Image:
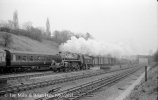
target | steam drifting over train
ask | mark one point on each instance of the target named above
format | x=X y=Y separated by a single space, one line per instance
x=94 y=48
x=77 y=54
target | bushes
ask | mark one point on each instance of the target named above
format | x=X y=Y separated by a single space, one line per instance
x=33 y=33
x=38 y=34
x=5 y=29
x=6 y=40
x=156 y=56
x=62 y=36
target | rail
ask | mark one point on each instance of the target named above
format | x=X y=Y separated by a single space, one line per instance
x=24 y=87
x=81 y=90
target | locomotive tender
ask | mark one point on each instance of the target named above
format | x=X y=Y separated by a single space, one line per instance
x=15 y=61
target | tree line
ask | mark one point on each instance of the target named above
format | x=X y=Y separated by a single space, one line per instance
x=38 y=33
x=156 y=56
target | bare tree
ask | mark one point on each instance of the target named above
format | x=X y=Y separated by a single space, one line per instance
x=48 y=27
x=156 y=56
x=10 y=24
x=7 y=39
x=15 y=20
x=27 y=25
x=62 y=36
x=7 y=24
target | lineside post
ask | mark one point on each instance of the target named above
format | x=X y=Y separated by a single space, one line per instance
x=145 y=73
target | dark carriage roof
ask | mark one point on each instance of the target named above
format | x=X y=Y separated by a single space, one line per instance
x=31 y=53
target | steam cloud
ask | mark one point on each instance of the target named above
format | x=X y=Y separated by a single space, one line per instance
x=94 y=47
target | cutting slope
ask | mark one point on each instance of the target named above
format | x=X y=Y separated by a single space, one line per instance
x=22 y=43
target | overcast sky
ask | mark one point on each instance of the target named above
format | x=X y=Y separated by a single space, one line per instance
x=131 y=22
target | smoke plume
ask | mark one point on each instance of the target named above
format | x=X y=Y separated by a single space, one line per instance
x=94 y=47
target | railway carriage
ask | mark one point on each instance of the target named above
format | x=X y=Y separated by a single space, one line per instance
x=21 y=61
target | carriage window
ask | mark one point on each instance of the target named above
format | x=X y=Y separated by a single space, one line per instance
x=44 y=58
x=18 y=58
x=48 y=58
x=24 y=58
x=35 y=58
x=38 y=58
x=13 y=57
x=31 y=58
x=1 y=54
x=41 y=58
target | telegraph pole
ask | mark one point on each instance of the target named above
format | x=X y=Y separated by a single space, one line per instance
x=146 y=73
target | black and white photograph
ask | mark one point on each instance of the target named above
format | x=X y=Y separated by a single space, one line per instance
x=78 y=50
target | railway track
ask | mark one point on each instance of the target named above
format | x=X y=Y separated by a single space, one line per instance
x=82 y=90
x=25 y=76
x=14 y=77
x=24 y=87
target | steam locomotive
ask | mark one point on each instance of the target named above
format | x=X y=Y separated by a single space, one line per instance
x=15 y=61
x=71 y=61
